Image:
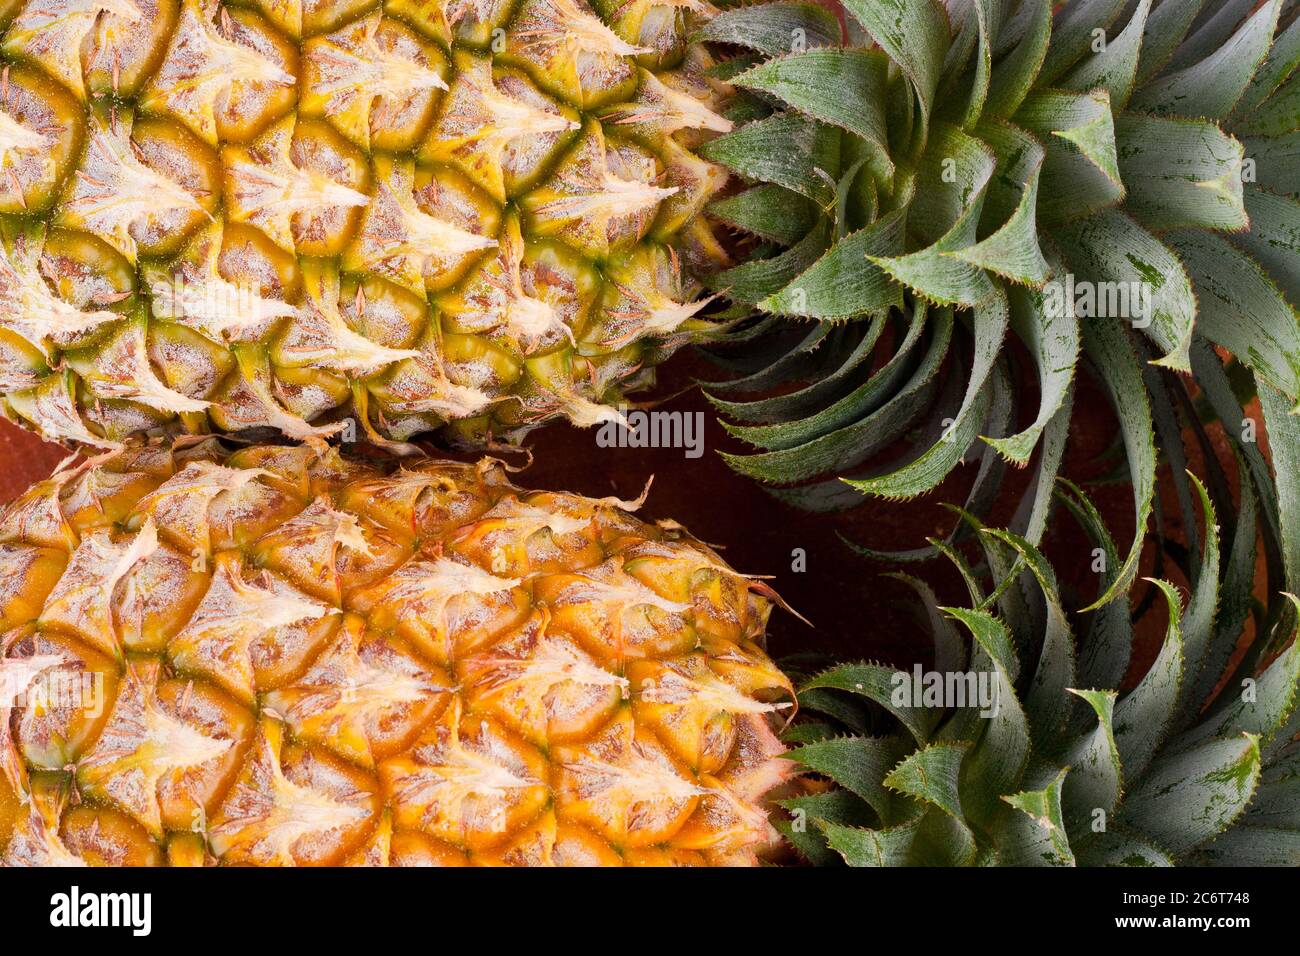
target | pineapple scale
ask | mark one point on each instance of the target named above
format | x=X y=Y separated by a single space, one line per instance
x=283 y=656
x=266 y=216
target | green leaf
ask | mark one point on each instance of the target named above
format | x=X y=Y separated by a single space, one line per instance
x=1117 y=848
x=772 y=28
x=1218 y=392
x=1234 y=599
x=1260 y=708
x=854 y=443
x=769 y=212
x=949 y=648
x=833 y=806
x=914 y=33
x=830 y=384
x=945 y=215
x=1166 y=28
x=878 y=683
x=759 y=278
x=1169 y=436
x=995 y=765
x=842 y=283
x=942 y=840
x=1030 y=519
x=809 y=842
x=858 y=764
x=1211 y=87
x=1198 y=622
x=1188 y=797
x=853 y=714
x=1095 y=779
x=1081 y=173
x=1241 y=309
x=842 y=87
x=846 y=410
x=932 y=774
x=743 y=107
x=1072 y=34
x=1274 y=169
x=1012 y=250
x=1284 y=444
x=1143 y=716
x=1180 y=172
x=803 y=357
x=1274 y=238
x=974 y=34
x=1104 y=657
x=1041 y=839
x=1277 y=801
x=1276 y=116
x=1283 y=58
x=1013 y=75
x=1209 y=31
x=861 y=847
x=932 y=465
x=1133 y=276
x=1005 y=569
x=1047 y=702
x=806 y=163
x=1253 y=846
x=1053 y=342
x=1112 y=355
x=808 y=733
x=1114 y=68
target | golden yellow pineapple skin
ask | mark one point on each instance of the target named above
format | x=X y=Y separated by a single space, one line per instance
x=355 y=216
x=282 y=656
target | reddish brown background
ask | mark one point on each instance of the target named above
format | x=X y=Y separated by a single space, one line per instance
x=855 y=611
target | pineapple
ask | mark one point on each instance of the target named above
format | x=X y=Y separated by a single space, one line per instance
x=979 y=193
x=276 y=217
x=282 y=656
x=977 y=198
x=1064 y=761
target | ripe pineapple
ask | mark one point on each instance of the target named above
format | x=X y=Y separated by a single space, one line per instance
x=275 y=215
x=1195 y=764
x=953 y=170
x=281 y=656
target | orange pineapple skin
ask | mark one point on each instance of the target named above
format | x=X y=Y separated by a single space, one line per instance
x=287 y=218
x=283 y=656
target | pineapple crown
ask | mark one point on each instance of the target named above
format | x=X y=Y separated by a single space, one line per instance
x=1111 y=181
x=1020 y=749
x=967 y=191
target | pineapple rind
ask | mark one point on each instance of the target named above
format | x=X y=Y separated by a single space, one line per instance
x=281 y=656
x=452 y=168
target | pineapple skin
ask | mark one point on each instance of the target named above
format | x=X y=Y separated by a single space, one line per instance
x=279 y=656
x=387 y=218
